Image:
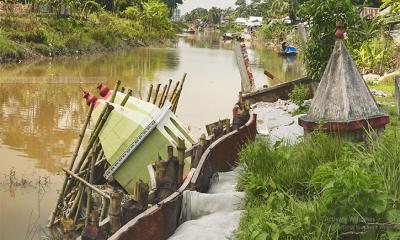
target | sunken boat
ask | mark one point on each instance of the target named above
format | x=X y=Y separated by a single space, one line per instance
x=133 y=136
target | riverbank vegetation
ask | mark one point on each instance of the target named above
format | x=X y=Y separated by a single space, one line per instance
x=369 y=39
x=323 y=187
x=82 y=29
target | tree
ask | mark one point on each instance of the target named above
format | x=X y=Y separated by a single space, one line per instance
x=197 y=13
x=214 y=15
x=323 y=16
x=394 y=4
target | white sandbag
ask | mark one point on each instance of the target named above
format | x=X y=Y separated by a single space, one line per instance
x=201 y=204
x=224 y=182
x=217 y=226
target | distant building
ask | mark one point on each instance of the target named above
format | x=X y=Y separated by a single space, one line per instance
x=254 y=21
x=241 y=21
x=249 y=22
x=369 y=12
x=176 y=15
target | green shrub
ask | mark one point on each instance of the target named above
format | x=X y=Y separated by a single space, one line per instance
x=299 y=94
x=38 y=35
x=278 y=31
x=10 y=50
x=374 y=54
x=350 y=191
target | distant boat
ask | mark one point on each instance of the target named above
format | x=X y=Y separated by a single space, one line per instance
x=288 y=50
x=190 y=31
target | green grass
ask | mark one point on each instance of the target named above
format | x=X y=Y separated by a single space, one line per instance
x=49 y=35
x=323 y=187
x=10 y=50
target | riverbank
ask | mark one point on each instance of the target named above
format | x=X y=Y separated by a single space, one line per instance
x=28 y=36
x=294 y=189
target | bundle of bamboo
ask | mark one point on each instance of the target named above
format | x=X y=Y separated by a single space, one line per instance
x=81 y=196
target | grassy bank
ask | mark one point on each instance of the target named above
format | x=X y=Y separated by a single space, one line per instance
x=32 y=35
x=324 y=188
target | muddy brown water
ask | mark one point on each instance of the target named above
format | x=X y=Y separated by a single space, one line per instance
x=42 y=110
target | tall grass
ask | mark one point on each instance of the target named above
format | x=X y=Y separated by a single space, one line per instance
x=321 y=188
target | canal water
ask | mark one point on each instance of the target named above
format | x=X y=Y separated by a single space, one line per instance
x=42 y=110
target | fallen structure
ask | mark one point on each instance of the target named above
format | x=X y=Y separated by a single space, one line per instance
x=343 y=103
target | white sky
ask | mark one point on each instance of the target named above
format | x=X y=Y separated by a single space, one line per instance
x=189 y=5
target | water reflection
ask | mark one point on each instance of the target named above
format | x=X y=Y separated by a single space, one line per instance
x=41 y=120
x=41 y=108
x=212 y=40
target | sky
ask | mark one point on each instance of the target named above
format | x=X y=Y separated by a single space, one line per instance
x=189 y=5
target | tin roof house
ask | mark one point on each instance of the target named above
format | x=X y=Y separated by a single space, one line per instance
x=343 y=103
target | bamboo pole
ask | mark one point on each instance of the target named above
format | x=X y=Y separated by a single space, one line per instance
x=156 y=96
x=178 y=95
x=71 y=165
x=96 y=133
x=75 y=204
x=79 y=206
x=166 y=94
x=104 y=209
x=174 y=91
x=89 y=191
x=114 y=94
x=126 y=98
x=162 y=96
x=83 y=181
x=150 y=92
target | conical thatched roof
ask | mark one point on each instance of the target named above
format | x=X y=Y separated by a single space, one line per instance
x=342 y=95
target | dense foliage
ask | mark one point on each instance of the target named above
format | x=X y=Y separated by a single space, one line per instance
x=322 y=188
x=323 y=15
x=23 y=36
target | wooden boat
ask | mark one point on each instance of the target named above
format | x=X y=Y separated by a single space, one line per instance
x=288 y=50
x=133 y=136
x=161 y=220
x=189 y=31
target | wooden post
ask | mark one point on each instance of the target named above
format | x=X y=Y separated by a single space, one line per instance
x=71 y=164
x=162 y=96
x=115 y=211
x=199 y=150
x=167 y=175
x=142 y=194
x=156 y=95
x=150 y=92
x=181 y=159
x=397 y=88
